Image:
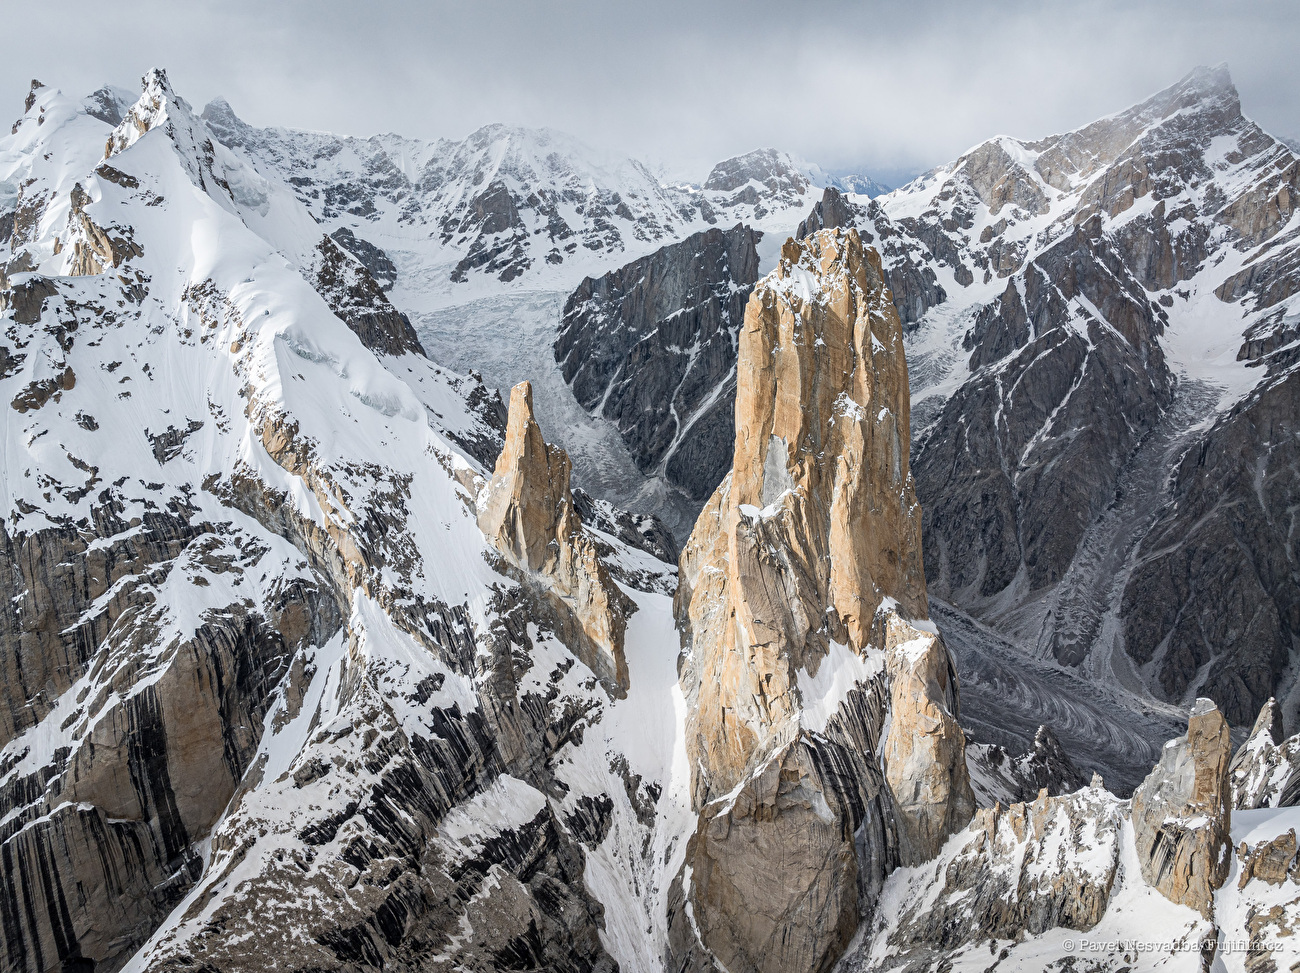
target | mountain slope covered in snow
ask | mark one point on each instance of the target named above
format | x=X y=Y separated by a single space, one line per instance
x=1115 y=352
x=1102 y=363
x=313 y=658
x=255 y=645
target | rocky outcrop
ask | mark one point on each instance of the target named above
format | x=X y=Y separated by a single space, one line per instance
x=160 y=108
x=498 y=234
x=356 y=297
x=1027 y=885
x=796 y=590
x=910 y=278
x=924 y=750
x=528 y=514
x=763 y=179
x=1265 y=770
x=645 y=532
x=1017 y=871
x=998 y=777
x=1272 y=861
x=652 y=348
x=93 y=248
x=1182 y=814
x=376 y=262
x=1265 y=900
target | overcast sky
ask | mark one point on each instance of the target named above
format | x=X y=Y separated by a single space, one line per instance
x=886 y=87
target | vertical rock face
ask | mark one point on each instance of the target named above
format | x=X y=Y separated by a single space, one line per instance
x=1182 y=813
x=652 y=347
x=528 y=514
x=794 y=592
x=1215 y=583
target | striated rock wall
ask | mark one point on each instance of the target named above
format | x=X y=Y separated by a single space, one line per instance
x=652 y=348
x=795 y=590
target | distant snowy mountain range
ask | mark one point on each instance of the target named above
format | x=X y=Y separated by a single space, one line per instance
x=531 y=208
x=313 y=658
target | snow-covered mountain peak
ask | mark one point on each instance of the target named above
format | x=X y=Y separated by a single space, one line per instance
x=109 y=104
x=530 y=208
x=30 y=100
x=274 y=631
x=222 y=120
x=158 y=105
x=770 y=168
x=159 y=108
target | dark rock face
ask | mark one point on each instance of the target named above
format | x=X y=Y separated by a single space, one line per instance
x=652 y=347
x=998 y=776
x=1214 y=585
x=99 y=843
x=372 y=257
x=356 y=297
x=642 y=531
x=1026 y=454
x=910 y=279
x=1072 y=475
x=759 y=179
x=499 y=237
x=108 y=104
x=1265 y=770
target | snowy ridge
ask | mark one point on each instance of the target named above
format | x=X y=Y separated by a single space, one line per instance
x=531 y=209
x=265 y=691
x=1147 y=261
x=259 y=502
